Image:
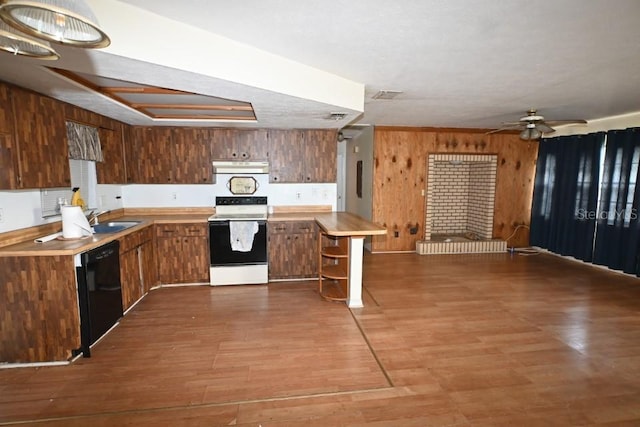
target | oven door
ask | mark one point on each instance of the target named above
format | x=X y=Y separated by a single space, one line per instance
x=220 y=245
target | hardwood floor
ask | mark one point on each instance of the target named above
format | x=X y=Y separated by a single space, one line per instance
x=465 y=340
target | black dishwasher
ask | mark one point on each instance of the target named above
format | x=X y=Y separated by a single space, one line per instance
x=99 y=293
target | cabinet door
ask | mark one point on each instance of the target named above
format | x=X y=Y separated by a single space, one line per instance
x=8 y=150
x=130 y=277
x=41 y=140
x=279 y=256
x=320 y=155
x=191 y=156
x=304 y=241
x=237 y=144
x=148 y=266
x=292 y=250
x=251 y=145
x=151 y=158
x=6 y=110
x=169 y=259
x=8 y=162
x=286 y=156
x=195 y=259
x=112 y=169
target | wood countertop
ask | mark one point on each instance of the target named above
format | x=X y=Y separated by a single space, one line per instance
x=347 y=224
x=73 y=247
x=334 y=223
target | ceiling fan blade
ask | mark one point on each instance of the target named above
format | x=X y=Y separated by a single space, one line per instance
x=544 y=128
x=565 y=122
x=506 y=126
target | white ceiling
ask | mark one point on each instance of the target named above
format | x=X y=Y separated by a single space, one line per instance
x=459 y=63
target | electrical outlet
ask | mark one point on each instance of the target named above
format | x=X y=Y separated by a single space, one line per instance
x=1 y=215
x=174 y=196
x=298 y=195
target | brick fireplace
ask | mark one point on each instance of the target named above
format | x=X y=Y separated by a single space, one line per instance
x=459 y=204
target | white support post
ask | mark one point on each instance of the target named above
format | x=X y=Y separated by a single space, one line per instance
x=354 y=299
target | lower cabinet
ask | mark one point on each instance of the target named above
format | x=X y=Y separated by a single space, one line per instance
x=182 y=253
x=292 y=250
x=137 y=266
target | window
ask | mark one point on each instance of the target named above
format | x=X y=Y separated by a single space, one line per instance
x=83 y=175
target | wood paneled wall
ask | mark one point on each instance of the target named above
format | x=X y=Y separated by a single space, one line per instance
x=39 y=318
x=400 y=162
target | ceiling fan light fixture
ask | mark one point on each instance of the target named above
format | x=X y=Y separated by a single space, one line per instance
x=17 y=44
x=68 y=22
x=530 y=134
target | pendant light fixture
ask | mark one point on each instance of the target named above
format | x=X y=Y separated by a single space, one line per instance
x=15 y=43
x=68 y=22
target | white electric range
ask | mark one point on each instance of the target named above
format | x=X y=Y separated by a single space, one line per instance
x=238 y=241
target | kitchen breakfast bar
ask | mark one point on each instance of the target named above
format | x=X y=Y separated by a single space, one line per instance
x=39 y=286
x=355 y=229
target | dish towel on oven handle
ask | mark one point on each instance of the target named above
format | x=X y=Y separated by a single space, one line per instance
x=241 y=235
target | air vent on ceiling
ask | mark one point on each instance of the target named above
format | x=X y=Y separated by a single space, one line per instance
x=336 y=116
x=387 y=94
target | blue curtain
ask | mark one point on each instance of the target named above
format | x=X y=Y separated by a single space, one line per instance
x=618 y=228
x=565 y=195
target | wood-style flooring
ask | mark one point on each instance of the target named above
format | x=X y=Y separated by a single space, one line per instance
x=446 y=340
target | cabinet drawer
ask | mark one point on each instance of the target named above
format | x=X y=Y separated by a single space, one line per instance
x=278 y=227
x=195 y=230
x=169 y=230
x=146 y=234
x=292 y=227
x=303 y=227
x=130 y=241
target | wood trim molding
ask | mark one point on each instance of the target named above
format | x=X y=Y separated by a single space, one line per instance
x=435 y=129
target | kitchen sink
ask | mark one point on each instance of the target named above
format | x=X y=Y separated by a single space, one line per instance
x=113 y=226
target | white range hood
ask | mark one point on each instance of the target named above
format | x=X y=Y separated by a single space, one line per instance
x=240 y=167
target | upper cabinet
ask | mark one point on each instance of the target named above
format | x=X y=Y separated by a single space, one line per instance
x=41 y=141
x=149 y=157
x=6 y=110
x=164 y=155
x=8 y=149
x=307 y=156
x=191 y=156
x=320 y=154
x=286 y=156
x=112 y=169
x=238 y=144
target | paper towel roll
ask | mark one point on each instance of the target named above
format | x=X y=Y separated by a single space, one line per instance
x=74 y=223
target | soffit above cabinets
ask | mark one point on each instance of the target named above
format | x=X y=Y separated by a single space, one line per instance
x=160 y=103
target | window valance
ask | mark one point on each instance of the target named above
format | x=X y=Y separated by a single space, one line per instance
x=84 y=142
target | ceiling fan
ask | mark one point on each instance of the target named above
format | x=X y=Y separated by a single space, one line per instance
x=532 y=125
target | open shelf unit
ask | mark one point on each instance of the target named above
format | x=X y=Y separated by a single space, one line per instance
x=333 y=267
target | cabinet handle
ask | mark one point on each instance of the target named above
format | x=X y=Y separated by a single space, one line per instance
x=275 y=178
x=244 y=155
x=234 y=155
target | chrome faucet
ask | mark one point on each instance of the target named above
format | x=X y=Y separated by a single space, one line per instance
x=93 y=217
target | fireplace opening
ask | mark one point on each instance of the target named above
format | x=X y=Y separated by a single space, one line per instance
x=460 y=203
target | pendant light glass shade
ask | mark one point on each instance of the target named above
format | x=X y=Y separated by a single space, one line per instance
x=69 y=22
x=17 y=44
x=530 y=133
